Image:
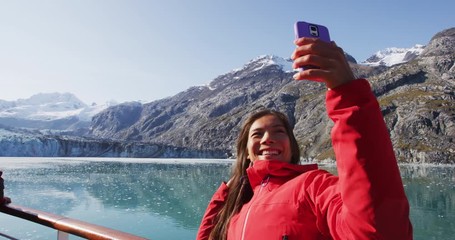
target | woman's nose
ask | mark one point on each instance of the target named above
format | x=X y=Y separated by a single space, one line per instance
x=267 y=138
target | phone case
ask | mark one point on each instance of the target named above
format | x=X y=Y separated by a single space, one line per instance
x=305 y=29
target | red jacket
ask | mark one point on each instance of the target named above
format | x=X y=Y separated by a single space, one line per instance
x=365 y=201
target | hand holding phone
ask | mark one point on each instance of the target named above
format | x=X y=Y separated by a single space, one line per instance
x=305 y=29
x=322 y=53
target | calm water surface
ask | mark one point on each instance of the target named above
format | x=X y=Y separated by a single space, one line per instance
x=166 y=198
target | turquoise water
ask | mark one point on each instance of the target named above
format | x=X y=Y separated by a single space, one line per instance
x=165 y=199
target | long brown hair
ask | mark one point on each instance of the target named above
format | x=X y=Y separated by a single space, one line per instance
x=240 y=191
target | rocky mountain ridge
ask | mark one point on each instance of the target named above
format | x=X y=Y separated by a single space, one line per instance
x=64 y=111
x=416 y=99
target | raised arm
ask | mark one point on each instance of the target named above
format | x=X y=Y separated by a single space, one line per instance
x=374 y=205
x=367 y=200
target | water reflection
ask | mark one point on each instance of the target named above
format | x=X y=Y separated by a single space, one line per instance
x=177 y=191
x=180 y=192
x=431 y=194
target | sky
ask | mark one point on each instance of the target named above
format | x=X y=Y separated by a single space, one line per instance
x=144 y=50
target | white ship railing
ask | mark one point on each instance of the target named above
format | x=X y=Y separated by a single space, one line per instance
x=65 y=225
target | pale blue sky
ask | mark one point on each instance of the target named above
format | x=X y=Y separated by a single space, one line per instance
x=128 y=50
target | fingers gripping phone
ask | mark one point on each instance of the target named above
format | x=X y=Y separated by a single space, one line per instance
x=305 y=29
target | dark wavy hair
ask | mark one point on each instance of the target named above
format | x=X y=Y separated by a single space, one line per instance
x=240 y=191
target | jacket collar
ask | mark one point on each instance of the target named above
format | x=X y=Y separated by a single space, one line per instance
x=273 y=168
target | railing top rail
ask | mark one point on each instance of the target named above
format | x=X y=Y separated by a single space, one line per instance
x=65 y=224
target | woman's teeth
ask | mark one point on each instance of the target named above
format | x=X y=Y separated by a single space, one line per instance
x=270 y=153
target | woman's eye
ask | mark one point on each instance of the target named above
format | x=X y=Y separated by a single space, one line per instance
x=256 y=134
x=281 y=131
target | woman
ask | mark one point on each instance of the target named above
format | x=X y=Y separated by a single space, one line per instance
x=270 y=196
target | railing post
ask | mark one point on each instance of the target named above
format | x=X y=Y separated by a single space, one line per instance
x=3 y=200
x=62 y=235
x=2 y=186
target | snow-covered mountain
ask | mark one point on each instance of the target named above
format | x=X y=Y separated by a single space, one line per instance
x=203 y=121
x=392 y=56
x=266 y=60
x=64 y=111
x=48 y=109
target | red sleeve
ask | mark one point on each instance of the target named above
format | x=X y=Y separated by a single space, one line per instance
x=215 y=205
x=367 y=200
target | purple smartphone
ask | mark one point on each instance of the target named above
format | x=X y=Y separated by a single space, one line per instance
x=305 y=29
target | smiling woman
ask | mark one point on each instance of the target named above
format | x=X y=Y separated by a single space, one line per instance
x=271 y=196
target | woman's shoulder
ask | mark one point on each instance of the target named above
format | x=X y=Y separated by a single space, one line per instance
x=317 y=176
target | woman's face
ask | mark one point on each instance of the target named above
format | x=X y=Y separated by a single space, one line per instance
x=268 y=140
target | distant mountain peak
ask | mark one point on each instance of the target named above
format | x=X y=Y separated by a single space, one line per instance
x=48 y=107
x=263 y=61
x=393 y=55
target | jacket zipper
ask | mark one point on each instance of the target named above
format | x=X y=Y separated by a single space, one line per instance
x=264 y=183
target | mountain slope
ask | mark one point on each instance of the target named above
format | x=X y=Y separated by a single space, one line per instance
x=416 y=98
